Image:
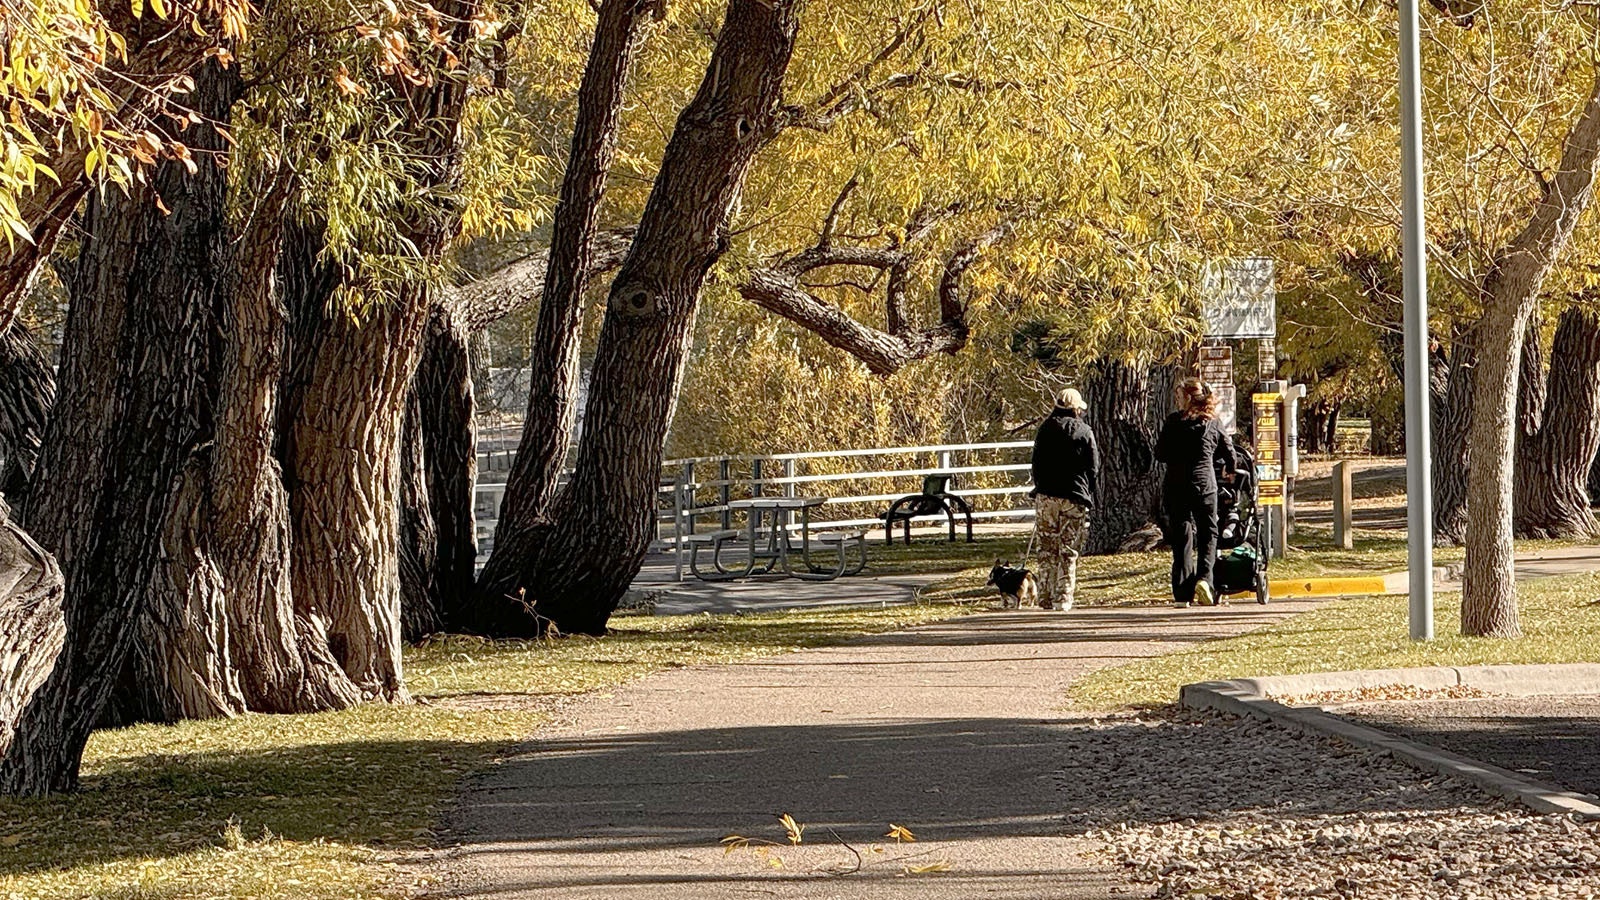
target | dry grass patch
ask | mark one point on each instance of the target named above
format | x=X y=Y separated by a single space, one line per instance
x=322 y=807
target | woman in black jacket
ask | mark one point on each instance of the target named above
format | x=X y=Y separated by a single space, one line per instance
x=1192 y=444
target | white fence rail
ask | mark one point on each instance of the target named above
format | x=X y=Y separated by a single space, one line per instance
x=695 y=492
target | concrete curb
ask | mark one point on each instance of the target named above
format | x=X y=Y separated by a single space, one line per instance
x=1246 y=697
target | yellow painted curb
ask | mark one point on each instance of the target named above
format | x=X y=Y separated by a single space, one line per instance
x=1329 y=587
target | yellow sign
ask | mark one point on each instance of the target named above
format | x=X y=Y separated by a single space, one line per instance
x=1269 y=448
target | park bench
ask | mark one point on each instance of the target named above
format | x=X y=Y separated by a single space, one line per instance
x=935 y=498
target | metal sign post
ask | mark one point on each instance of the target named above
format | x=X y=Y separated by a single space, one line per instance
x=1419 y=442
x=1268 y=406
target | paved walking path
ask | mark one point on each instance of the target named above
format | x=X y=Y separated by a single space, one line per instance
x=951 y=730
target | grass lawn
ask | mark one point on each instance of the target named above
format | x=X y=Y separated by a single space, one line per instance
x=1560 y=618
x=316 y=806
x=1136 y=578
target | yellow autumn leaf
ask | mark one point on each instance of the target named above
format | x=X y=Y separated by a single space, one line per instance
x=794 y=829
x=901 y=834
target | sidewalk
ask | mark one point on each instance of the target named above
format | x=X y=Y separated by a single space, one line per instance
x=952 y=730
x=955 y=731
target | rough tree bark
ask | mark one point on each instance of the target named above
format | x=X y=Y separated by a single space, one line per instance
x=27 y=394
x=347 y=436
x=345 y=501
x=1510 y=297
x=1122 y=408
x=134 y=373
x=1452 y=417
x=283 y=659
x=1530 y=391
x=32 y=628
x=421 y=608
x=586 y=561
x=1552 y=477
x=553 y=366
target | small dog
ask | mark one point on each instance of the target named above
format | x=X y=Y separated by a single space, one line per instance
x=1015 y=584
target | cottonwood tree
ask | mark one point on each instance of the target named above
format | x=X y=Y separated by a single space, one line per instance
x=553 y=366
x=1558 y=442
x=165 y=425
x=601 y=528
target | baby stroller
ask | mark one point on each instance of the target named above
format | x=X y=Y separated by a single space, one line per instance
x=1241 y=554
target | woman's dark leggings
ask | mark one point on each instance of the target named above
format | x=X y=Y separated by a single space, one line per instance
x=1192 y=534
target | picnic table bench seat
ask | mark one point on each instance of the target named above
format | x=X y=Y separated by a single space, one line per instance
x=844 y=542
x=715 y=540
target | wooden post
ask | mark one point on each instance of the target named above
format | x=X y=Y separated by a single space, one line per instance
x=788 y=474
x=756 y=487
x=1343 y=520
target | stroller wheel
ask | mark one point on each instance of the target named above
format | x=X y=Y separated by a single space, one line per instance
x=1263 y=591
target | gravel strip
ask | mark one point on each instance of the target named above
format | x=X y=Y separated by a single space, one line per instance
x=1220 y=807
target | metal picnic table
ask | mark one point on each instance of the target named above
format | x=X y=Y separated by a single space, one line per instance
x=779 y=547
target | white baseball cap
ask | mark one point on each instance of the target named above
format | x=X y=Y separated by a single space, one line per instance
x=1071 y=399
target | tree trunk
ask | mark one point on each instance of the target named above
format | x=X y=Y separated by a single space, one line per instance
x=1510 y=297
x=553 y=366
x=1119 y=399
x=1530 y=392
x=1491 y=609
x=32 y=629
x=1552 y=490
x=1451 y=420
x=421 y=612
x=136 y=363
x=283 y=659
x=347 y=481
x=347 y=427
x=604 y=515
x=27 y=395
x=440 y=470
x=1314 y=419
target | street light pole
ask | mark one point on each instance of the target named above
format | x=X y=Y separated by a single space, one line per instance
x=1419 y=440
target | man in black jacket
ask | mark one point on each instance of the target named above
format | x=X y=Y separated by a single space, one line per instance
x=1066 y=472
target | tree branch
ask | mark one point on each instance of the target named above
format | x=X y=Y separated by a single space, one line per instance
x=952 y=306
x=496 y=295
x=826 y=237
x=778 y=290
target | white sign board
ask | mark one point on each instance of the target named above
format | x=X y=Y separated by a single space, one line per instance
x=1241 y=298
x=1216 y=370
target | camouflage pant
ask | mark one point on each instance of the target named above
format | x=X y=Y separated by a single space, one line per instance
x=1061 y=527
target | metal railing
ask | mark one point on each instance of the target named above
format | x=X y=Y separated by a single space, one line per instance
x=992 y=477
